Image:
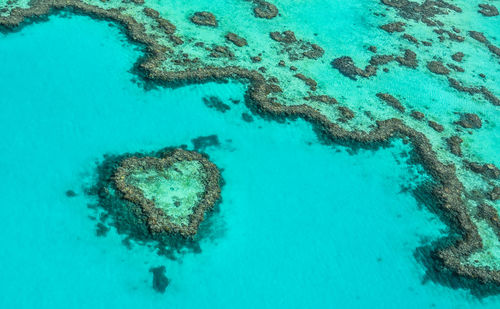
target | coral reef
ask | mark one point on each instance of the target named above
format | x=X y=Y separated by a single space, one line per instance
x=173 y=191
x=164 y=63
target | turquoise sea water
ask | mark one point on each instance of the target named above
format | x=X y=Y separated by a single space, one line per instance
x=302 y=225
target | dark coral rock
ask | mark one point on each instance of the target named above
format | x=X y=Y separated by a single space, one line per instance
x=421 y=11
x=265 y=9
x=346 y=66
x=458 y=56
x=454 y=143
x=166 y=25
x=490 y=214
x=216 y=103
x=381 y=59
x=176 y=40
x=417 y=115
x=256 y=59
x=437 y=67
x=426 y=43
x=221 y=52
x=394 y=27
x=151 y=13
x=494 y=49
x=372 y=48
x=322 y=98
x=470 y=121
x=488 y=170
x=410 y=38
x=160 y=280
x=307 y=80
x=292 y=68
x=273 y=79
x=204 y=19
x=455 y=67
x=478 y=36
x=436 y=126
x=391 y=101
x=458 y=86
x=488 y=10
x=236 y=39
x=494 y=194
x=409 y=59
x=296 y=49
x=283 y=37
x=345 y=113
x=452 y=36
x=281 y=63
x=315 y=52
x=488 y=95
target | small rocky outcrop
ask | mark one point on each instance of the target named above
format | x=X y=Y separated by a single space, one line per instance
x=478 y=36
x=221 y=52
x=458 y=56
x=393 y=27
x=265 y=9
x=236 y=39
x=409 y=59
x=296 y=49
x=437 y=67
x=204 y=19
x=323 y=98
x=417 y=115
x=488 y=10
x=494 y=194
x=346 y=113
x=436 y=126
x=381 y=59
x=456 y=68
x=470 y=121
x=391 y=101
x=307 y=80
x=346 y=67
x=410 y=38
x=454 y=144
x=488 y=170
x=283 y=37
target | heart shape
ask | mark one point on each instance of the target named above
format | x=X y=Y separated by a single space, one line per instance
x=173 y=191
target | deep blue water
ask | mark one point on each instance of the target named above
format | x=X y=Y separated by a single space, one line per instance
x=302 y=225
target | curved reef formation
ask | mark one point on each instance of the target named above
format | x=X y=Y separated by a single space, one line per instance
x=173 y=191
x=163 y=198
x=278 y=91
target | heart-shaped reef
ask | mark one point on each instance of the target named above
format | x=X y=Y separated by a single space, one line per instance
x=174 y=191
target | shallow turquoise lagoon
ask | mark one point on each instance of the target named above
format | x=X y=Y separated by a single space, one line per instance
x=302 y=225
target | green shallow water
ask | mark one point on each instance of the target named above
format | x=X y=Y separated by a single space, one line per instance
x=301 y=224
x=182 y=183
